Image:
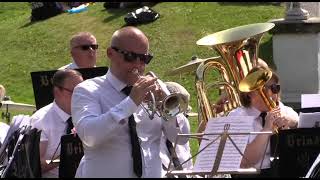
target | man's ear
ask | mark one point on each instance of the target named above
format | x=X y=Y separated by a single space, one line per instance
x=56 y=91
x=109 y=52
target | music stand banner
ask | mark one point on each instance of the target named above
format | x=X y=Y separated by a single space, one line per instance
x=70 y=155
x=42 y=83
x=298 y=148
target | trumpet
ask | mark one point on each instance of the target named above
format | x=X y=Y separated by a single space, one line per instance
x=256 y=81
x=167 y=106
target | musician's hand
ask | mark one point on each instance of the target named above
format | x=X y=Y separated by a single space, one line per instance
x=141 y=88
x=219 y=106
x=74 y=132
x=269 y=123
x=279 y=119
x=158 y=94
x=284 y=121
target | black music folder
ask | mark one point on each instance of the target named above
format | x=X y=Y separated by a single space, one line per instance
x=70 y=155
x=297 y=150
x=42 y=83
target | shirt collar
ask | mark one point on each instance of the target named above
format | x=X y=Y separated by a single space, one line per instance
x=73 y=65
x=254 y=112
x=63 y=115
x=115 y=82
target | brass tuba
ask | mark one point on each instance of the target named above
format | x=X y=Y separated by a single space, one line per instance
x=238 y=48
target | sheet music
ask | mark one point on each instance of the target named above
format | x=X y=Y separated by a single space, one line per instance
x=309 y=120
x=231 y=158
x=310 y=100
x=17 y=122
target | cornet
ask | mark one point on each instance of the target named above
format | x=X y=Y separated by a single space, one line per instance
x=167 y=106
x=256 y=81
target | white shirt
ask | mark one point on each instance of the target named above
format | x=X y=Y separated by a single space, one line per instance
x=3 y=131
x=182 y=150
x=72 y=65
x=52 y=121
x=100 y=114
x=257 y=127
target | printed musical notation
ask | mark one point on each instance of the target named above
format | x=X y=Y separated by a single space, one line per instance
x=231 y=158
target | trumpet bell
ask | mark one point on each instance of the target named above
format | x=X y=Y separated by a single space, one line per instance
x=173 y=104
x=255 y=80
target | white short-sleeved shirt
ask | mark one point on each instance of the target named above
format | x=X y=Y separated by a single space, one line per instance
x=52 y=121
x=257 y=126
x=182 y=150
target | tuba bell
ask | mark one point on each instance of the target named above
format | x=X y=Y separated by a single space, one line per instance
x=238 y=48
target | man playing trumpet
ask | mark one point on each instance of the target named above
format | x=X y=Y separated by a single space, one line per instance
x=119 y=138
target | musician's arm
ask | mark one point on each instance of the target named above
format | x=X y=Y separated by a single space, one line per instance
x=45 y=167
x=93 y=126
x=255 y=150
x=171 y=129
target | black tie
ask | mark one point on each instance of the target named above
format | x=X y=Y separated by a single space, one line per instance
x=173 y=154
x=69 y=126
x=136 y=154
x=127 y=90
x=263 y=116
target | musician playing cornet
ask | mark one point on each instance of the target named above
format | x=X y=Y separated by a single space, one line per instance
x=280 y=117
x=118 y=136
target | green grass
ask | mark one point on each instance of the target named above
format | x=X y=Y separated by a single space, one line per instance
x=40 y=46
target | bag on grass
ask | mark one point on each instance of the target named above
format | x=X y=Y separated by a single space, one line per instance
x=141 y=15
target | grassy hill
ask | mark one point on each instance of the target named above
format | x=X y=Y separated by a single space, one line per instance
x=44 y=45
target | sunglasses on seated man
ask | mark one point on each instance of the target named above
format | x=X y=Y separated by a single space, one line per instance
x=88 y=46
x=132 y=57
x=275 y=88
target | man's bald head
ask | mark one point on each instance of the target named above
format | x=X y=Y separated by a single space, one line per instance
x=127 y=36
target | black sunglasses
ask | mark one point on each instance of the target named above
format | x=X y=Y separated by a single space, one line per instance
x=275 y=88
x=87 y=47
x=132 y=57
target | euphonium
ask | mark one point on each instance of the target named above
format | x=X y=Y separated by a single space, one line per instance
x=166 y=106
x=238 y=48
x=256 y=81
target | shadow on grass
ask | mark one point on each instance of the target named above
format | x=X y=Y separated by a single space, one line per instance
x=27 y=24
x=36 y=21
x=249 y=3
x=116 y=12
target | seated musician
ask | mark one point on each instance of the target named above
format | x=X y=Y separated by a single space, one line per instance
x=182 y=150
x=54 y=119
x=281 y=117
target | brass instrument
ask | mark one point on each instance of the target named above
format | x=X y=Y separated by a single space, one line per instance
x=238 y=48
x=256 y=81
x=167 y=107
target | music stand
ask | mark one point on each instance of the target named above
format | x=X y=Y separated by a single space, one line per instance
x=70 y=155
x=42 y=83
x=219 y=156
